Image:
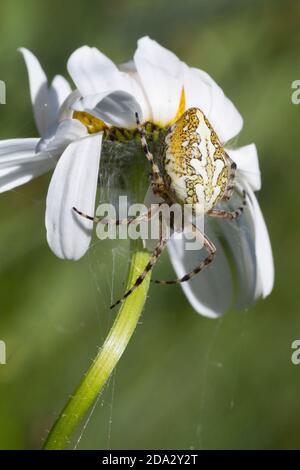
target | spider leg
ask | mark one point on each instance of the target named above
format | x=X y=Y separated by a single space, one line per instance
x=156 y=178
x=223 y=214
x=211 y=250
x=231 y=178
x=154 y=257
x=131 y=220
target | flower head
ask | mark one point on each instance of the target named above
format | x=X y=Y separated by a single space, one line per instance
x=158 y=87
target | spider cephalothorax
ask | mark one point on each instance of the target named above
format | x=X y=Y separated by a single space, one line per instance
x=193 y=168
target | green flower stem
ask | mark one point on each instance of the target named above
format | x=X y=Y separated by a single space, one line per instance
x=106 y=360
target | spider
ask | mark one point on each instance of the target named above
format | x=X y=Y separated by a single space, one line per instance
x=192 y=166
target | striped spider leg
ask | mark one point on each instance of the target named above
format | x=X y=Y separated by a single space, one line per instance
x=227 y=214
x=149 y=266
x=103 y=220
x=211 y=250
x=231 y=178
x=209 y=246
x=230 y=214
x=157 y=182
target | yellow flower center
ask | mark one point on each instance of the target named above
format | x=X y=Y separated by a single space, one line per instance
x=92 y=123
x=95 y=125
x=180 y=110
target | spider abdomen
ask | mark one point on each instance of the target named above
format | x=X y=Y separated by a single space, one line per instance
x=195 y=164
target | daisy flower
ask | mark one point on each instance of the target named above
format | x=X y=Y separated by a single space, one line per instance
x=160 y=88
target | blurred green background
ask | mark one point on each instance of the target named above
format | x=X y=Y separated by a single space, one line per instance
x=184 y=381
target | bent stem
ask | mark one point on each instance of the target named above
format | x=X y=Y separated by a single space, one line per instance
x=106 y=360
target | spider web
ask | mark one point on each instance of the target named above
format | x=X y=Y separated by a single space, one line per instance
x=103 y=408
x=105 y=292
x=117 y=160
x=104 y=282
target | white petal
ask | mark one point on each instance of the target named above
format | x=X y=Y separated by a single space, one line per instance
x=46 y=102
x=57 y=94
x=249 y=244
x=14 y=151
x=128 y=67
x=210 y=292
x=38 y=89
x=66 y=111
x=220 y=111
x=137 y=90
x=247 y=162
x=117 y=108
x=263 y=250
x=67 y=131
x=197 y=91
x=19 y=162
x=62 y=89
x=239 y=235
x=161 y=75
x=73 y=184
x=93 y=72
x=13 y=177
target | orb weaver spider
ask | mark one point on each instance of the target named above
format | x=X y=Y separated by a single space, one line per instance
x=192 y=165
